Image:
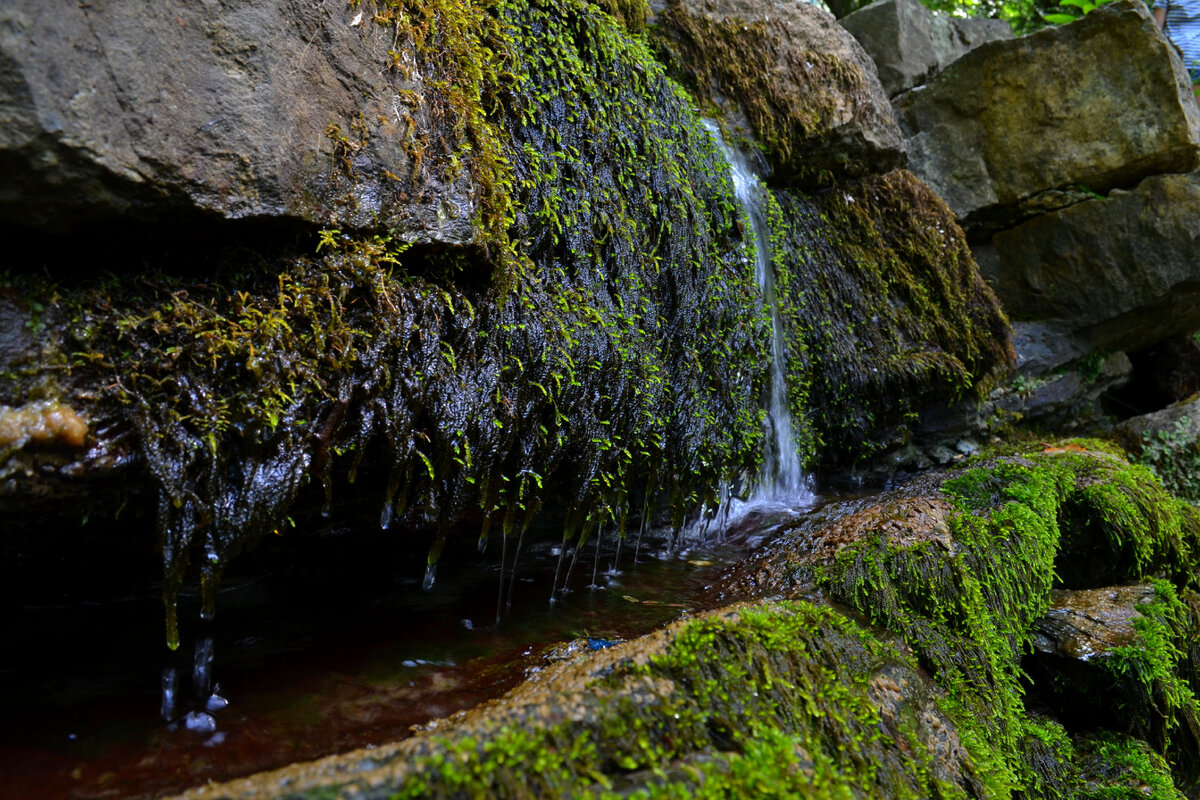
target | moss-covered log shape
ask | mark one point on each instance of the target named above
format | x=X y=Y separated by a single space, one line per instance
x=780 y=700
x=799 y=698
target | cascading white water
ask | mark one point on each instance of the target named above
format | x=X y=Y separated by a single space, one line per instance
x=782 y=480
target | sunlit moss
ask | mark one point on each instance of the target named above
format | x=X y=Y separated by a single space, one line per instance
x=969 y=611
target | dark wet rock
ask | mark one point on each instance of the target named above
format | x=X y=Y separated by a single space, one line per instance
x=806 y=88
x=271 y=110
x=1090 y=623
x=17 y=324
x=1114 y=273
x=1043 y=347
x=788 y=563
x=1015 y=128
x=1116 y=658
x=1118 y=765
x=1069 y=397
x=886 y=317
x=909 y=44
x=254 y=386
x=1174 y=366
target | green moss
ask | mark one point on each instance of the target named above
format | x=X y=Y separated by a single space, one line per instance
x=880 y=292
x=1152 y=675
x=1174 y=455
x=969 y=610
x=1119 y=767
x=631 y=13
x=1047 y=760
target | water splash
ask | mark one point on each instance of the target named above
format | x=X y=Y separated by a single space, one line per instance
x=781 y=481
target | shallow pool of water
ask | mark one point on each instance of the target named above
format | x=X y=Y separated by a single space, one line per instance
x=319 y=646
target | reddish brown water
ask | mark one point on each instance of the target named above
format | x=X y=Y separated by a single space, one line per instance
x=329 y=646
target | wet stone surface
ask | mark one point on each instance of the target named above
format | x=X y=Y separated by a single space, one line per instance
x=1082 y=624
x=905 y=516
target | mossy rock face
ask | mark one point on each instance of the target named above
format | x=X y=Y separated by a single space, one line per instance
x=780 y=699
x=809 y=92
x=601 y=346
x=961 y=566
x=1119 y=658
x=605 y=344
x=1168 y=441
x=631 y=13
x=1113 y=766
x=886 y=309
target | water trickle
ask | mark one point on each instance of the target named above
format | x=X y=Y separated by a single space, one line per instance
x=781 y=480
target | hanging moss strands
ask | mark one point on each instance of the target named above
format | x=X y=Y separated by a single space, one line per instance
x=606 y=335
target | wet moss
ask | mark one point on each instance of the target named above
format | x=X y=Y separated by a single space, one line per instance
x=882 y=296
x=1152 y=680
x=631 y=13
x=1115 y=766
x=968 y=609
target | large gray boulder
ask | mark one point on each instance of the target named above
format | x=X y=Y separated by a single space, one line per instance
x=1115 y=273
x=292 y=110
x=805 y=88
x=1015 y=128
x=909 y=44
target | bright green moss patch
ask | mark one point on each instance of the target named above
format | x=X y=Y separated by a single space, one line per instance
x=968 y=610
x=1153 y=674
x=1174 y=455
x=1119 y=767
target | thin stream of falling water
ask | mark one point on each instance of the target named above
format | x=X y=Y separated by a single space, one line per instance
x=782 y=481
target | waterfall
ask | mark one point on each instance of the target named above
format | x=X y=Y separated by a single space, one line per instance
x=782 y=480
